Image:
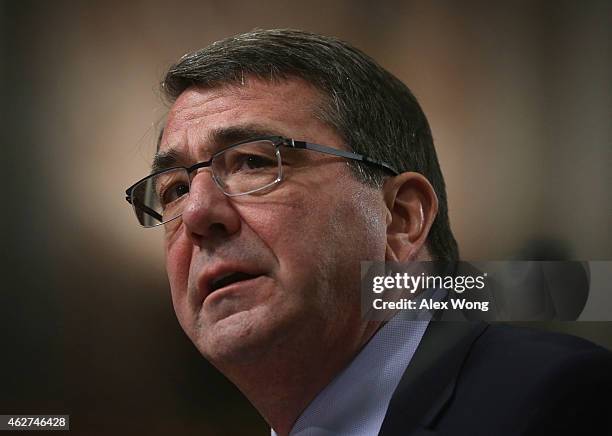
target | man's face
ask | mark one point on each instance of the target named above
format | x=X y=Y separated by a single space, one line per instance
x=300 y=243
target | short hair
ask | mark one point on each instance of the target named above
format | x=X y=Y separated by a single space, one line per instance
x=373 y=112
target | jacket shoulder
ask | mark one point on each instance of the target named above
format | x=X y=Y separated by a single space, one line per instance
x=526 y=349
x=523 y=381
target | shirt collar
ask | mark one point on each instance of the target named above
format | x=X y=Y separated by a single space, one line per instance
x=356 y=401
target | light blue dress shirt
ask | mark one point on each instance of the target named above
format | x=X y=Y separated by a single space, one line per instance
x=356 y=401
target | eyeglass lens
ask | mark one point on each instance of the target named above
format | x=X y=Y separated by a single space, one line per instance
x=241 y=169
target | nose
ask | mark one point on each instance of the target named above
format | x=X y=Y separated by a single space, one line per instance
x=209 y=213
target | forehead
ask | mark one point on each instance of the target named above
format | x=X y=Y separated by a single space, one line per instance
x=288 y=108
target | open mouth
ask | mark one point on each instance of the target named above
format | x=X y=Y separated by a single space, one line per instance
x=228 y=279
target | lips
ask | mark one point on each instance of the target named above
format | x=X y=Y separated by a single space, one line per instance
x=228 y=279
x=222 y=275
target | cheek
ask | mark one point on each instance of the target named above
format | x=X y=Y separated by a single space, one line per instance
x=359 y=235
x=322 y=237
x=369 y=221
x=356 y=232
x=291 y=227
x=178 y=259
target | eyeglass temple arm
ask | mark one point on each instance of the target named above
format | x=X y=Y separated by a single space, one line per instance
x=145 y=209
x=341 y=153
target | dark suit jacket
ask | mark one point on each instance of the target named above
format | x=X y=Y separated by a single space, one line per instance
x=471 y=378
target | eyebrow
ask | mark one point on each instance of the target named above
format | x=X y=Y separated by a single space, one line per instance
x=221 y=137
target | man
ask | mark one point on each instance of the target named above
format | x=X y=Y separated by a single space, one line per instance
x=286 y=159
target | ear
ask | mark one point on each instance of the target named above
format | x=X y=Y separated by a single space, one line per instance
x=412 y=206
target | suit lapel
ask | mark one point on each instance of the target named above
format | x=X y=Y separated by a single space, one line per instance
x=429 y=380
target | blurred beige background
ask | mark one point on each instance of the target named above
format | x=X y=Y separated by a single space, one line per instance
x=518 y=95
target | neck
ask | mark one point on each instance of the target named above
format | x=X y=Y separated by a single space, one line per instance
x=281 y=383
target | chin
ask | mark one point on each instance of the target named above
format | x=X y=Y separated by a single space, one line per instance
x=240 y=338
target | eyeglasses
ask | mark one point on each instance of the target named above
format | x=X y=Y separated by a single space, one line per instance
x=247 y=167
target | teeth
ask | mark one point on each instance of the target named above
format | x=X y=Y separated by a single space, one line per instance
x=228 y=279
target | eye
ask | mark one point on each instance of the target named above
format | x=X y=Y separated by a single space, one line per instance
x=243 y=162
x=253 y=161
x=173 y=192
x=170 y=186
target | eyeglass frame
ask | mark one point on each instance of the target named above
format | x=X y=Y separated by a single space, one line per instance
x=277 y=141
